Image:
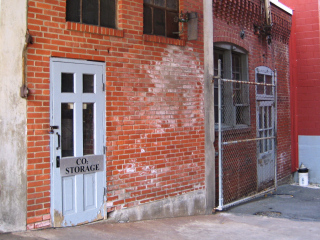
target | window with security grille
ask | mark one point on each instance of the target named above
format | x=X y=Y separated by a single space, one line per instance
x=94 y=12
x=234 y=95
x=160 y=17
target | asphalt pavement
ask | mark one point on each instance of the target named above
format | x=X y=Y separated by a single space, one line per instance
x=289 y=201
x=291 y=212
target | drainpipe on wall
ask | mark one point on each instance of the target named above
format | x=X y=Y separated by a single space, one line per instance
x=267 y=12
x=209 y=106
x=23 y=89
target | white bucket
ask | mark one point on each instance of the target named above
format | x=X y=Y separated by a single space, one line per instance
x=303 y=175
x=303 y=179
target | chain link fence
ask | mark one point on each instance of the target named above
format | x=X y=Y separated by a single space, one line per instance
x=246 y=126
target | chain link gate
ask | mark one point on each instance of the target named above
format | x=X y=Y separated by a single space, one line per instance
x=246 y=136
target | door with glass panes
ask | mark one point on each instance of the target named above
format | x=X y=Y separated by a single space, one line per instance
x=266 y=161
x=265 y=96
x=77 y=127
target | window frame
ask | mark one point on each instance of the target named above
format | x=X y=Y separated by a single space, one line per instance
x=153 y=7
x=112 y=24
x=265 y=71
x=230 y=118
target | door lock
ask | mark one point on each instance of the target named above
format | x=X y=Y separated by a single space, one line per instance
x=52 y=128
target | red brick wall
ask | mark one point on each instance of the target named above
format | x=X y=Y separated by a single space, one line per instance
x=154 y=102
x=154 y=113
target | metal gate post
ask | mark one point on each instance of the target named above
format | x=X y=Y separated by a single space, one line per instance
x=220 y=206
x=275 y=129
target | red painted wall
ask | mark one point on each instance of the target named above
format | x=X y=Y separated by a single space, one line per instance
x=304 y=70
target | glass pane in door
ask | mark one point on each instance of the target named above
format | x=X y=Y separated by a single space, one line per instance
x=67 y=82
x=260 y=88
x=88 y=128
x=88 y=83
x=269 y=88
x=67 y=130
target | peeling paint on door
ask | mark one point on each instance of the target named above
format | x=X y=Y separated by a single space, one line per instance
x=58 y=219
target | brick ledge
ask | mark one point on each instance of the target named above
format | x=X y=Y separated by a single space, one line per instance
x=94 y=29
x=165 y=40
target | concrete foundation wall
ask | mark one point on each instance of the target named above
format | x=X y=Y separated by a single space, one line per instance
x=12 y=117
x=184 y=205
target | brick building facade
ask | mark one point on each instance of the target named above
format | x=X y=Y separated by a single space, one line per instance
x=241 y=25
x=154 y=158
x=154 y=105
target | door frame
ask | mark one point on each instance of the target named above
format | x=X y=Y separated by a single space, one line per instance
x=56 y=216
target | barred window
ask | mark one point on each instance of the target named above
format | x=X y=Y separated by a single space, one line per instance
x=234 y=95
x=160 y=17
x=95 y=12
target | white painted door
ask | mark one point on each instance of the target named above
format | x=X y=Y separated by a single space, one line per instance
x=77 y=121
x=266 y=146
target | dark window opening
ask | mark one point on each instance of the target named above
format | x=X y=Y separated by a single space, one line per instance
x=95 y=12
x=160 y=17
x=234 y=96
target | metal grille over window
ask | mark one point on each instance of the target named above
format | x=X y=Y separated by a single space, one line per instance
x=160 y=17
x=95 y=12
x=246 y=127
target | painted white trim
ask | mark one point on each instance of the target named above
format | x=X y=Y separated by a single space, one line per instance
x=282 y=6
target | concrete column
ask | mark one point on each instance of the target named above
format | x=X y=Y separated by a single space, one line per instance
x=209 y=104
x=13 y=150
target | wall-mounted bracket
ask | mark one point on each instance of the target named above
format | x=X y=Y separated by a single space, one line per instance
x=192 y=20
x=24 y=91
x=193 y=26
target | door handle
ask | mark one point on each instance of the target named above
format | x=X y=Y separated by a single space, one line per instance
x=58 y=161
x=58 y=141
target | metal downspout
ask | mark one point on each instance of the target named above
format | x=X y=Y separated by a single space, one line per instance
x=267 y=12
